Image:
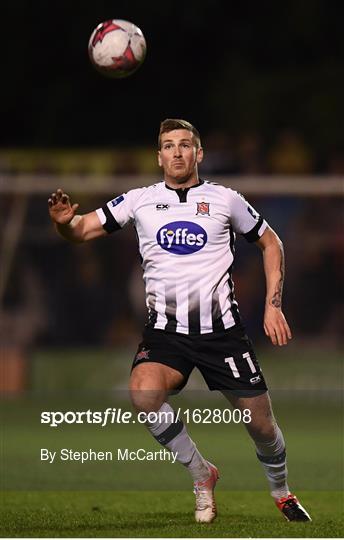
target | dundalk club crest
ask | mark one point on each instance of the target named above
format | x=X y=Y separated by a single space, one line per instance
x=203 y=209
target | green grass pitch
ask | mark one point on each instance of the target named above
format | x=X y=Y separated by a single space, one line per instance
x=112 y=499
x=162 y=514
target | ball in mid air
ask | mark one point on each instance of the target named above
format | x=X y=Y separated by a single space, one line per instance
x=117 y=48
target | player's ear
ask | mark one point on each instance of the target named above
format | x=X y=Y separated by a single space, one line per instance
x=159 y=159
x=199 y=155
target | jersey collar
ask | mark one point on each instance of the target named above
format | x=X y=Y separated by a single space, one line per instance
x=200 y=182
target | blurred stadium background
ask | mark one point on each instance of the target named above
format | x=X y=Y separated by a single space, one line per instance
x=265 y=88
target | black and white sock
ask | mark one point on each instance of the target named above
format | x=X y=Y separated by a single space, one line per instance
x=272 y=456
x=174 y=437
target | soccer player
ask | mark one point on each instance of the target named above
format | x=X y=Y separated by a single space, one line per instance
x=186 y=230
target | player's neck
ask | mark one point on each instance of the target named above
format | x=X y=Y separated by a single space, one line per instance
x=181 y=183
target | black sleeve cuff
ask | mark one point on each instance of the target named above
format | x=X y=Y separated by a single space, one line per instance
x=252 y=235
x=110 y=224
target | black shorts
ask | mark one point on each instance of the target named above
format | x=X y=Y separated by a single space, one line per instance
x=226 y=359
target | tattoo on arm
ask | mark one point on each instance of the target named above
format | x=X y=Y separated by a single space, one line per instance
x=276 y=300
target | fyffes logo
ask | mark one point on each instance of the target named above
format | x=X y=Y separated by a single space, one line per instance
x=182 y=237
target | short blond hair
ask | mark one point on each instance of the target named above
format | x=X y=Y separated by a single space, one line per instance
x=178 y=123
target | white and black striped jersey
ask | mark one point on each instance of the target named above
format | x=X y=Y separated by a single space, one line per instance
x=186 y=241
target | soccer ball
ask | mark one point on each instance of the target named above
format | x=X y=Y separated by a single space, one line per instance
x=117 y=48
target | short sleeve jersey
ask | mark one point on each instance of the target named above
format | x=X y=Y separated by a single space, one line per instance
x=186 y=241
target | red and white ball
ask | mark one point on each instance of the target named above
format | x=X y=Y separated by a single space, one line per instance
x=117 y=48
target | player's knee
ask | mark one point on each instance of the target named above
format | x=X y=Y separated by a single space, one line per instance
x=143 y=397
x=146 y=400
x=262 y=432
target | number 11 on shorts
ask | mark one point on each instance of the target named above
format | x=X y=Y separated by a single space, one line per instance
x=230 y=361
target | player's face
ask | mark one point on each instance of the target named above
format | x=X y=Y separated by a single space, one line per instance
x=179 y=156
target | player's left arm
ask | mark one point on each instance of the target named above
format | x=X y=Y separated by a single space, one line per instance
x=275 y=324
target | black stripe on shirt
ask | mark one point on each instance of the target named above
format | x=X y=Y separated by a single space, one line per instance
x=110 y=224
x=234 y=306
x=216 y=313
x=152 y=313
x=194 y=315
x=252 y=235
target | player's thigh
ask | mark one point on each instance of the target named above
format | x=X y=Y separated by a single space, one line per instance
x=151 y=383
x=262 y=426
x=155 y=376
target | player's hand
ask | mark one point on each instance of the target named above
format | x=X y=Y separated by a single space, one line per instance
x=276 y=326
x=60 y=209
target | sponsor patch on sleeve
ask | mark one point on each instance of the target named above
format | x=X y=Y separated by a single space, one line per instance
x=254 y=214
x=118 y=200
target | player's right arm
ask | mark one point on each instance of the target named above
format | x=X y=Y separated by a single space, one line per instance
x=72 y=227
